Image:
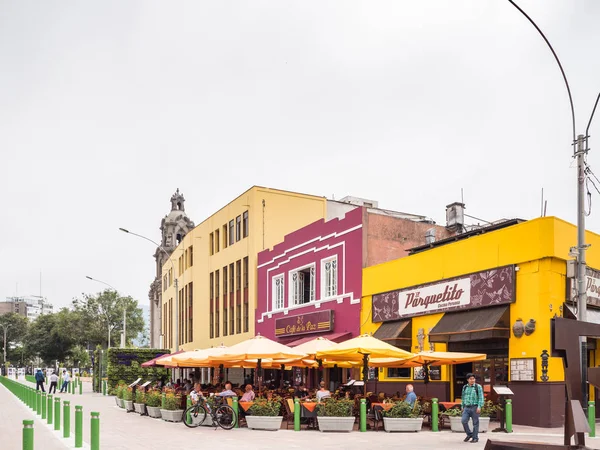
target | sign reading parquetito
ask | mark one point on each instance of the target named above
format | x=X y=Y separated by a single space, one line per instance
x=316 y=322
x=488 y=288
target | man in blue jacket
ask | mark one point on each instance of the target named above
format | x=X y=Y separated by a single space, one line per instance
x=39 y=380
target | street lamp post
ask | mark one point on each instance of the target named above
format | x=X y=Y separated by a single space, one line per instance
x=124 y=335
x=168 y=255
x=5 y=328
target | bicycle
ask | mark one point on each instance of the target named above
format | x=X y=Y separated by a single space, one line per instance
x=223 y=415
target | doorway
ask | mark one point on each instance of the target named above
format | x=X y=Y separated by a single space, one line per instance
x=460 y=377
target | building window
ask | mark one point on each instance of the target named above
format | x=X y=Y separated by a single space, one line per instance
x=212 y=325
x=191 y=312
x=238 y=319
x=212 y=285
x=224 y=236
x=217 y=241
x=191 y=255
x=211 y=244
x=403 y=372
x=238 y=275
x=245 y=224
x=225 y=321
x=217 y=283
x=231 y=278
x=180 y=261
x=217 y=324
x=225 y=281
x=302 y=285
x=231 y=321
x=231 y=235
x=185 y=260
x=329 y=278
x=278 y=293
x=165 y=284
x=238 y=228
x=246 y=318
x=246 y=272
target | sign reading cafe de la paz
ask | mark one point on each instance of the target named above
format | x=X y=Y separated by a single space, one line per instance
x=477 y=290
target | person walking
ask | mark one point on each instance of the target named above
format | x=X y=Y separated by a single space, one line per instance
x=66 y=379
x=39 y=380
x=53 y=382
x=471 y=402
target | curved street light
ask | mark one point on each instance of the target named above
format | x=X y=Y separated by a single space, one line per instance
x=123 y=336
x=168 y=255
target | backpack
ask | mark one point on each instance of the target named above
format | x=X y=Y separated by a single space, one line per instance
x=477 y=387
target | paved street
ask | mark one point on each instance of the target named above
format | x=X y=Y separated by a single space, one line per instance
x=120 y=430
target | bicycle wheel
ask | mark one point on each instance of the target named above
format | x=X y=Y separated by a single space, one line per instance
x=225 y=417
x=197 y=416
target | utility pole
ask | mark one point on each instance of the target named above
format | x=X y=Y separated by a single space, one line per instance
x=124 y=336
x=581 y=265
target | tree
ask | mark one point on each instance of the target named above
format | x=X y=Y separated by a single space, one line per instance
x=16 y=327
x=104 y=311
x=53 y=336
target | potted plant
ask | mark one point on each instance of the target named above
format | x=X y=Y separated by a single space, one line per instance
x=265 y=414
x=213 y=404
x=153 y=402
x=403 y=417
x=119 y=391
x=335 y=415
x=140 y=402
x=172 y=411
x=128 y=398
x=455 y=415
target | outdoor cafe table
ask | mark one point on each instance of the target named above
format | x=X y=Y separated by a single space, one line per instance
x=309 y=412
x=385 y=406
x=245 y=405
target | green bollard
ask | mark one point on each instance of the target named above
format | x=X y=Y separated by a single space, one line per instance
x=592 y=418
x=28 y=435
x=508 y=407
x=38 y=403
x=164 y=399
x=434 y=415
x=103 y=387
x=80 y=387
x=95 y=431
x=78 y=426
x=56 y=413
x=236 y=408
x=363 y=415
x=66 y=419
x=296 y=415
x=43 y=405
x=49 y=409
x=188 y=403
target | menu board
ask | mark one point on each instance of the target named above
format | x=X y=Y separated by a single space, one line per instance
x=522 y=369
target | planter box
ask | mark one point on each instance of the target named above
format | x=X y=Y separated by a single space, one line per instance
x=402 y=424
x=128 y=404
x=140 y=408
x=456 y=424
x=208 y=422
x=154 y=411
x=271 y=423
x=335 y=423
x=172 y=416
x=120 y=403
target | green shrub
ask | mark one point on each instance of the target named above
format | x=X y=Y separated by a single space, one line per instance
x=172 y=402
x=85 y=374
x=402 y=410
x=119 y=389
x=265 y=407
x=489 y=409
x=140 y=397
x=128 y=394
x=453 y=412
x=153 y=398
x=125 y=364
x=335 y=408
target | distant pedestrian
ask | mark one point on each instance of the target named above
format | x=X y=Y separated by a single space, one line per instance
x=472 y=402
x=66 y=379
x=39 y=380
x=53 y=383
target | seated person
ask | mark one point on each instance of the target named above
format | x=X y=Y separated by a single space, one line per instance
x=196 y=393
x=248 y=395
x=411 y=397
x=227 y=392
x=301 y=392
x=322 y=392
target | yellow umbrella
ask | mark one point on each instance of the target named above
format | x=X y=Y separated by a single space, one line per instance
x=429 y=358
x=362 y=347
x=198 y=358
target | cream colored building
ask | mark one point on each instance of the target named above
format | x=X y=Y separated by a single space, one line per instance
x=214 y=266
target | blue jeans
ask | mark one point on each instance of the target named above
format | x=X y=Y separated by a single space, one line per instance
x=471 y=412
x=64 y=387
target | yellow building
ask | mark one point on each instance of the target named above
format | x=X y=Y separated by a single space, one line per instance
x=493 y=291
x=214 y=267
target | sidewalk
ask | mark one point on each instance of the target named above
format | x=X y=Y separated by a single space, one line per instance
x=121 y=430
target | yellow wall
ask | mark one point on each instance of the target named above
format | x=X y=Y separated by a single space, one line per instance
x=538 y=247
x=283 y=211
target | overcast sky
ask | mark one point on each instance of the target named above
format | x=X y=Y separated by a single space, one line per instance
x=106 y=107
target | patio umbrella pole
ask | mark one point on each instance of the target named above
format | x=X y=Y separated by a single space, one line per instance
x=365 y=372
x=281 y=378
x=259 y=373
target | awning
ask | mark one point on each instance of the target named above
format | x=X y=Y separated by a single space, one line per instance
x=335 y=337
x=152 y=362
x=391 y=330
x=475 y=324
